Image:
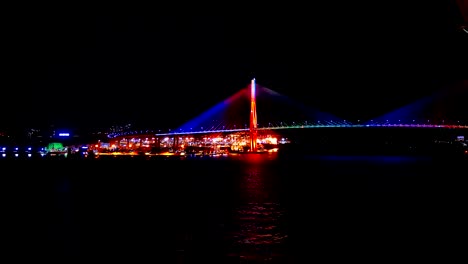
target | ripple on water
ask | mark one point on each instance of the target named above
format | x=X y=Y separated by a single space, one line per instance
x=258 y=231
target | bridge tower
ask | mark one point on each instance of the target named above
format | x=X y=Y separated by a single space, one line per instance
x=253 y=118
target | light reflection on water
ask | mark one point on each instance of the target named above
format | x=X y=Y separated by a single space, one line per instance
x=258 y=224
x=249 y=208
x=258 y=230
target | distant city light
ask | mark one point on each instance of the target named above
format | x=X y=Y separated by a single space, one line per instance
x=64 y=134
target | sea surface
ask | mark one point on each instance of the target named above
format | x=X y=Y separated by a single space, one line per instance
x=244 y=208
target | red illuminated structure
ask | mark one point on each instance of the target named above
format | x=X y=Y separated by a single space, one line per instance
x=253 y=118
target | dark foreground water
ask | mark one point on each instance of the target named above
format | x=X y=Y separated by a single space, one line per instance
x=251 y=208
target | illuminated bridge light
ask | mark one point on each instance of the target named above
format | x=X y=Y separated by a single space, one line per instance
x=218 y=125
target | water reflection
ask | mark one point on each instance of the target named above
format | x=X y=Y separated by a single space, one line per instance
x=258 y=230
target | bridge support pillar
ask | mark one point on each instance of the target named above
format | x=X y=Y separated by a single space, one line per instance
x=253 y=118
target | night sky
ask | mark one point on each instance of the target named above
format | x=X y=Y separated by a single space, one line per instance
x=156 y=70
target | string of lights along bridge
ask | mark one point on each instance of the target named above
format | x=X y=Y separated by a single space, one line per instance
x=218 y=131
x=215 y=125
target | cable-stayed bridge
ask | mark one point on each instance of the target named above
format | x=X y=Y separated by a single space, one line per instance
x=235 y=124
x=445 y=109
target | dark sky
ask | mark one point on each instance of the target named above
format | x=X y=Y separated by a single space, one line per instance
x=96 y=70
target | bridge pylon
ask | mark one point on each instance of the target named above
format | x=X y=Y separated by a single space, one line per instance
x=253 y=118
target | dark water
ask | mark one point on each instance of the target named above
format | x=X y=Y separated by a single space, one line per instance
x=251 y=208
